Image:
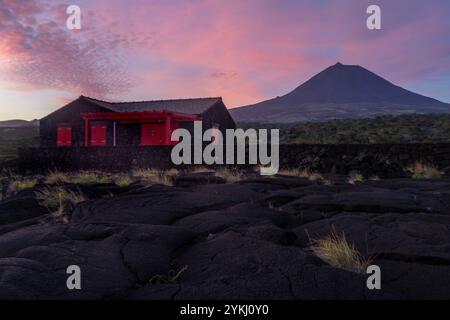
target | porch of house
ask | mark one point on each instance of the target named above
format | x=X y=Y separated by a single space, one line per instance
x=154 y=128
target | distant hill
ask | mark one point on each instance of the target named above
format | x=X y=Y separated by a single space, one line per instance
x=19 y=123
x=339 y=92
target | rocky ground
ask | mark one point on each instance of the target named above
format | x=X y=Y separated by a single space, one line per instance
x=245 y=240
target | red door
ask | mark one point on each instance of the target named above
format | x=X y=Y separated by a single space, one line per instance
x=152 y=134
x=64 y=138
x=98 y=135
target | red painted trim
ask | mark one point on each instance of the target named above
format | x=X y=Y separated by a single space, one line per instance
x=86 y=132
x=139 y=116
x=167 y=130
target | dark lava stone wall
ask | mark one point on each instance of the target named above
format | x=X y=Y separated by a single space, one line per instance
x=323 y=158
x=384 y=160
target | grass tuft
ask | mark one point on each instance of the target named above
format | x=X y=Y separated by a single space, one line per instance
x=423 y=171
x=123 y=180
x=355 y=177
x=89 y=177
x=337 y=252
x=154 y=176
x=171 y=276
x=230 y=175
x=54 y=198
x=302 y=173
x=56 y=177
x=19 y=184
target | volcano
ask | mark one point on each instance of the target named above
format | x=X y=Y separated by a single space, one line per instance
x=339 y=92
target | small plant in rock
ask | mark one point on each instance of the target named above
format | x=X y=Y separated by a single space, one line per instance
x=355 y=177
x=423 y=171
x=337 y=252
x=171 y=277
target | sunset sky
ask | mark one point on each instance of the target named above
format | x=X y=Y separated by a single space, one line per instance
x=243 y=50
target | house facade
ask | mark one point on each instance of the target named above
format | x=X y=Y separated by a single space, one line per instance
x=88 y=122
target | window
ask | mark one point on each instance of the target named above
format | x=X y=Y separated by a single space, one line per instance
x=98 y=135
x=64 y=136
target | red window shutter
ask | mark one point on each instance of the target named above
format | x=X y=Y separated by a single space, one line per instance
x=64 y=136
x=98 y=135
x=151 y=134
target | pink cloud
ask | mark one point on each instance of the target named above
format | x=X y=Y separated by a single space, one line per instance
x=245 y=51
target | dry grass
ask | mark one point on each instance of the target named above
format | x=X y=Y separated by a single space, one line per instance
x=355 y=177
x=123 y=180
x=171 y=277
x=337 y=252
x=230 y=175
x=302 y=173
x=423 y=171
x=154 y=176
x=89 y=177
x=54 y=198
x=19 y=184
x=201 y=169
x=56 y=177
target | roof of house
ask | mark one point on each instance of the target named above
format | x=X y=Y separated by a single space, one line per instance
x=187 y=106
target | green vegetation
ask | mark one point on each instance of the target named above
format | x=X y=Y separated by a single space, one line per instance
x=13 y=138
x=385 y=129
x=413 y=128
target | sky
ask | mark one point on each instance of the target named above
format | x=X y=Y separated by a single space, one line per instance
x=244 y=51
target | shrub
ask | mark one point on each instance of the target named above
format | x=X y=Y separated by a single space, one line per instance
x=422 y=171
x=337 y=252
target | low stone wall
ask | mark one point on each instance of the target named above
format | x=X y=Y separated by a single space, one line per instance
x=384 y=160
x=322 y=158
x=102 y=158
